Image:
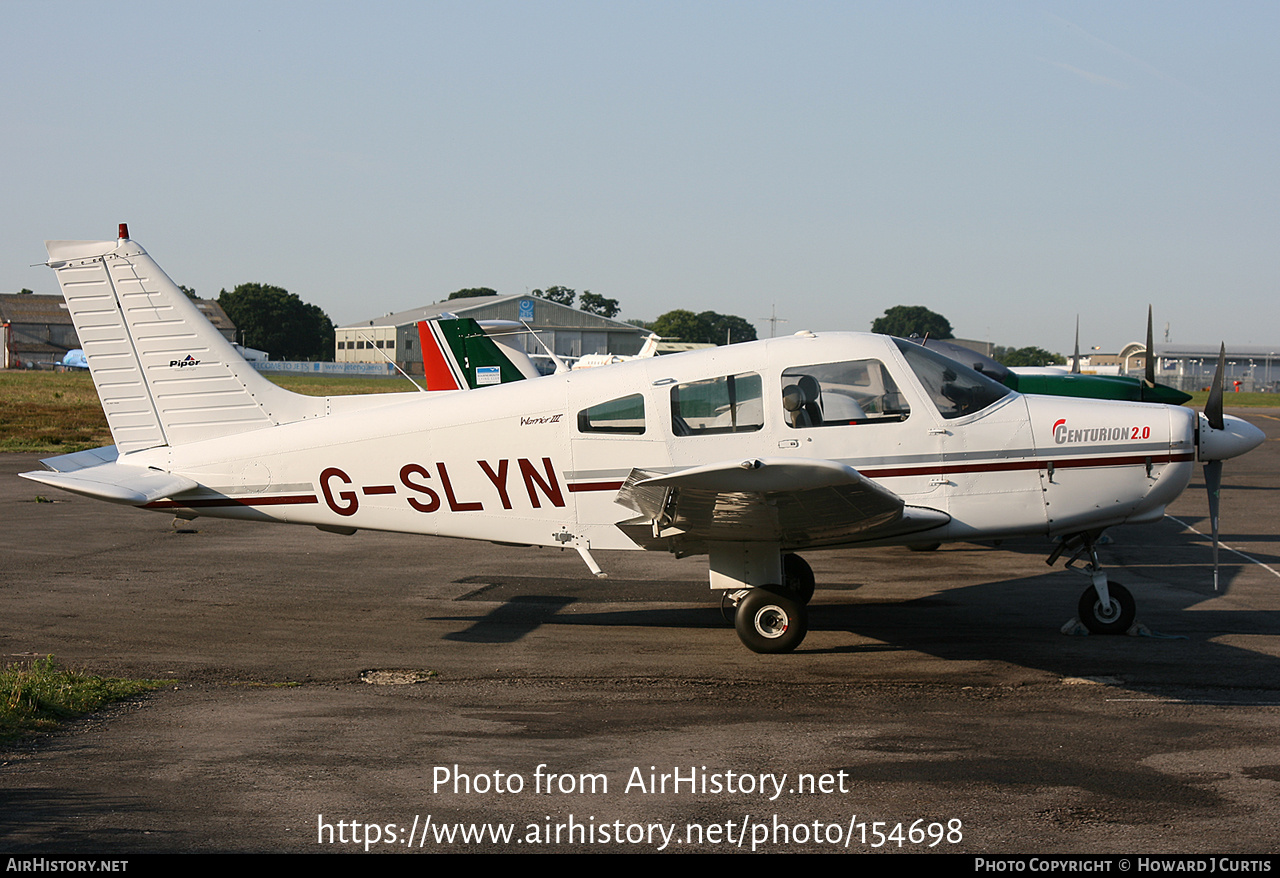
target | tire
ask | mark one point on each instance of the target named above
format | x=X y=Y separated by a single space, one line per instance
x=797 y=578
x=1115 y=619
x=771 y=621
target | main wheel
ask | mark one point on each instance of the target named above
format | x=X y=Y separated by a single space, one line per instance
x=770 y=621
x=797 y=578
x=1112 y=619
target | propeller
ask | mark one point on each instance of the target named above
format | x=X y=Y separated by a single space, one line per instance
x=1152 y=391
x=1219 y=437
x=1149 y=378
x=1213 y=468
x=1075 y=361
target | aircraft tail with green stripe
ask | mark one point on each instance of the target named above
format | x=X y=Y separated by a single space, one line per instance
x=457 y=354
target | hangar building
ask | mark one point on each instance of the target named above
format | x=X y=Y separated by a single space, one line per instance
x=567 y=331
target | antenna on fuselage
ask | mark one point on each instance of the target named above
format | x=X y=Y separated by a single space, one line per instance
x=393 y=363
x=561 y=368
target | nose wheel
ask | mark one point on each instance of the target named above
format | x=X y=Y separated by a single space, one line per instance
x=1113 y=617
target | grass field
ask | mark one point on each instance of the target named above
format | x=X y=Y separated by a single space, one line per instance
x=59 y=412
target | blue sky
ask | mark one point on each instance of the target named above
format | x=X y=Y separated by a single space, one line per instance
x=1006 y=164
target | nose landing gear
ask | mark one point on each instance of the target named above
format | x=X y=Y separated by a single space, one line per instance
x=1106 y=607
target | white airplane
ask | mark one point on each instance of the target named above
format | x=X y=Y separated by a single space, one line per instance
x=747 y=453
x=593 y=361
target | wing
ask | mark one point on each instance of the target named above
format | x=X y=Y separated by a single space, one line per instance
x=796 y=503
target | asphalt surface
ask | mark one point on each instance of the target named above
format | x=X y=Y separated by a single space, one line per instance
x=932 y=687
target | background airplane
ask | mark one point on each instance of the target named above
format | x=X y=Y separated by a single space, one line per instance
x=1052 y=381
x=459 y=354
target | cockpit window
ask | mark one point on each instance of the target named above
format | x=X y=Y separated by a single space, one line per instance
x=954 y=388
x=848 y=392
x=730 y=404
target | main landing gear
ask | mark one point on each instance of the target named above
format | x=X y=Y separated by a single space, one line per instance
x=772 y=618
x=1106 y=607
x=769 y=621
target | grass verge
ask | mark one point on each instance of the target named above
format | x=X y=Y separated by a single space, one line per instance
x=59 y=412
x=36 y=696
x=1234 y=400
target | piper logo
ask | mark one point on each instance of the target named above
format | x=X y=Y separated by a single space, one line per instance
x=182 y=364
x=1064 y=436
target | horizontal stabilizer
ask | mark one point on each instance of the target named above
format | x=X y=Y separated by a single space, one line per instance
x=113 y=482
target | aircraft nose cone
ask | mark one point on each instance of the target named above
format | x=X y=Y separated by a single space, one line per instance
x=1235 y=438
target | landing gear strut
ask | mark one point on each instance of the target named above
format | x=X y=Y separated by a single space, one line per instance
x=797 y=578
x=1106 y=607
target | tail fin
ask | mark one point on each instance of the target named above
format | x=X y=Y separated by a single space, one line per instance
x=457 y=354
x=164 y=374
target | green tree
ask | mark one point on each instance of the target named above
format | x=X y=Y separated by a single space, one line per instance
x=905 y=321
x=679 y=324
x=727 y=328
x=472 y=293
x=275 y=320
x=708 y=326
x=559 y=295
x=596 y=304
x=1028 y=356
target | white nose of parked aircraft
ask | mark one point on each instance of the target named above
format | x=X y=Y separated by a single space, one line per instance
x=1235 y=437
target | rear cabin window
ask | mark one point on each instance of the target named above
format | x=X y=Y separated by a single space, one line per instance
x=730 y=404
x=624 y=416
x=835 y=394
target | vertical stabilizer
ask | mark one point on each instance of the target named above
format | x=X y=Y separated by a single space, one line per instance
x=164 y=374
x=457 y=354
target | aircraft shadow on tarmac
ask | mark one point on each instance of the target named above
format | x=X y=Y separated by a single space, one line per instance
x=1014 y=620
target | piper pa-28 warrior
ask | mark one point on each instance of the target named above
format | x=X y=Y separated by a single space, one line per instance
x=748 y=453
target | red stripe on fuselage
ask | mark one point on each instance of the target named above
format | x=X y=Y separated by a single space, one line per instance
x=211 y=502
x=1037 y=463
x=581 y=487
x=938 y=469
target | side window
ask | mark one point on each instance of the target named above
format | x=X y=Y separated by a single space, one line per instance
x=617 y=416
x=731 y=404
x=848 y=392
